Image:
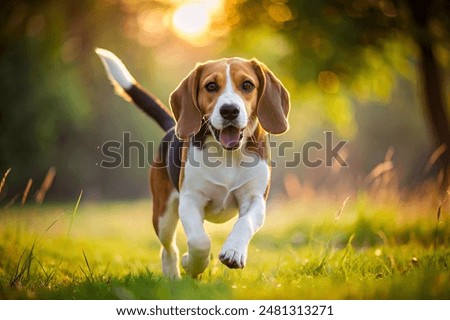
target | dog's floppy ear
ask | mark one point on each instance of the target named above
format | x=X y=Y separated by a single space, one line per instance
x=273 y=100
x=183 y=101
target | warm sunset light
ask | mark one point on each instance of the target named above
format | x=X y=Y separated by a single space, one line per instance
x=191 y=21
x=233 y=152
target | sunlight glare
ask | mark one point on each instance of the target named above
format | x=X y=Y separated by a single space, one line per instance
x=192 y=20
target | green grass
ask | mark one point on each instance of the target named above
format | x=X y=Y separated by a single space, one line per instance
x=378 y=249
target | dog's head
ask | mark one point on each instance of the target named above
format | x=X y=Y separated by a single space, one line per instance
x=231 y=95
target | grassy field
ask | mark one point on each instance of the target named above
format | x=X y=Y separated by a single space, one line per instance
x=377 y=249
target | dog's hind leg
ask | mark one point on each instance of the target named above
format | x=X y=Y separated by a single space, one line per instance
x=167 y=225
x=165 y=218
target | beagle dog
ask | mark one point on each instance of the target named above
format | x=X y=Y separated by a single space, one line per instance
x=213 y=162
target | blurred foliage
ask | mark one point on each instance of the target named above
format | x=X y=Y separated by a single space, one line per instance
x=53 y=114
x=353 y=52
x=342 y=61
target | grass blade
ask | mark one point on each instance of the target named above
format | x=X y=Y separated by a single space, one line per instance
x=438 y=220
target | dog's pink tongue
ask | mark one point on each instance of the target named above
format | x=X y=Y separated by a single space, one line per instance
x=229 y=137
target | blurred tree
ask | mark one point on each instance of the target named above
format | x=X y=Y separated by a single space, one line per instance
x=44 y=109
x=52 y=106
x=329 y=40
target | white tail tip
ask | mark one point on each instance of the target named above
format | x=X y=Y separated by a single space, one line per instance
x=116 y=70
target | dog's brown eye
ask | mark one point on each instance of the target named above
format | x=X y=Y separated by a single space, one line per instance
x=211 y=87
x=247 y=86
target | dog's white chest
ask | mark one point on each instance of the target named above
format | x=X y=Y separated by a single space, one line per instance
x=223 y=179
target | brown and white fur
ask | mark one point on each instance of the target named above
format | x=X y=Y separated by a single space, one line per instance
x=228 y=105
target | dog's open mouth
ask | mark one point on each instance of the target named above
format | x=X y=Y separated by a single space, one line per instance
x=230 y=137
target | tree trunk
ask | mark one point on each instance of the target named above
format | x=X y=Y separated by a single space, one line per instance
x=435 y=106
x=430 y=77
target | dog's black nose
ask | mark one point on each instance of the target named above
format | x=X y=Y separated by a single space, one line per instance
x=229 y=111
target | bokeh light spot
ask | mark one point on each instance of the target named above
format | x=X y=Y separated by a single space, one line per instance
x=279 y=12
x=191 y=20
x=328 y=82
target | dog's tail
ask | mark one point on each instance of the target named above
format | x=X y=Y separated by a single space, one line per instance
x=127 y=87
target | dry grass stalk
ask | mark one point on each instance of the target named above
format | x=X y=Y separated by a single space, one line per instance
x=440 y=177
x=27 y=191
x=339 y=212
x=389 y=154
x=435 y=156
x=48 y=181
x=12 y=201
x=381 y=175
x=438 y=216
x=2 y=184
x=379 y=170
x=438 y=221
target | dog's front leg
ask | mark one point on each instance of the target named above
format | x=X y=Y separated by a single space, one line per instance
x=252 y=211
x=191 y=213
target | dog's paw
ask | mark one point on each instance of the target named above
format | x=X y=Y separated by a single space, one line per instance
x=193 y=266
x=170 y=265
x=233 y=259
